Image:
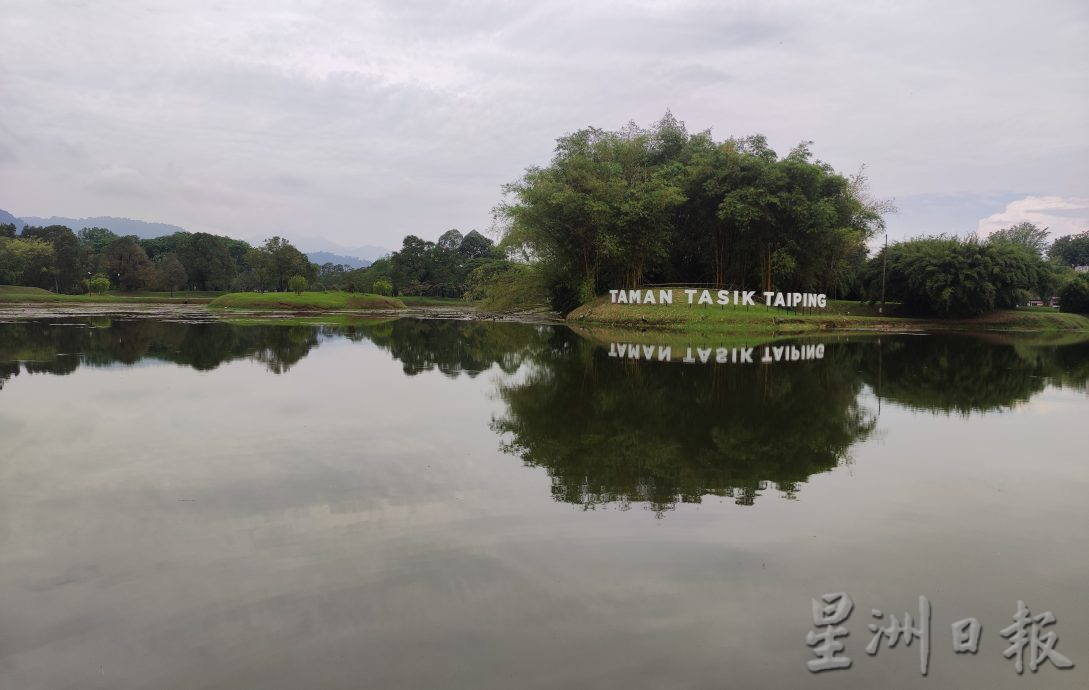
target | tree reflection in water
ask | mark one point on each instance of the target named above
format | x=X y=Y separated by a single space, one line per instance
x=609 y=430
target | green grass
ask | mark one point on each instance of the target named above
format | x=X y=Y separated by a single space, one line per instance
x=190 y=294
x=20 y=290
x=307 y=301
x=342 y=320
x=18 y=293
x=840 y=315
x=424 y=301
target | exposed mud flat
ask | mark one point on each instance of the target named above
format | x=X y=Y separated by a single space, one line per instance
x=199 y=312
x=39 y=310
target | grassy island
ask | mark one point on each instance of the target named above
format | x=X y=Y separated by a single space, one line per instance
x=839 y=316
x=307 y=301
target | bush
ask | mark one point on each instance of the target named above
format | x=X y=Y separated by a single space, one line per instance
x=503 y=285
x=1074 y=298
x=382 y=286
x=297 y=284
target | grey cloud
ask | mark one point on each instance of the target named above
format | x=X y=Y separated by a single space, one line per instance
x=366 y=121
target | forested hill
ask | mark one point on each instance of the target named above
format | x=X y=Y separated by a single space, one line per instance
x=119 y=226
x=321 y=258
x=6 y=218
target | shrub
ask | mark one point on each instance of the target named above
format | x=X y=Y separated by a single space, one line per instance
x=1074 y=297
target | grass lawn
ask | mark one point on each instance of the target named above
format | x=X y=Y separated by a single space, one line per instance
x=424 y=301
x=840 y=315
x=18 y=293
x=339 y=320
x=307 y=301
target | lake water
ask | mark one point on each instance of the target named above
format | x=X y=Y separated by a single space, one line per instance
x=453 y=504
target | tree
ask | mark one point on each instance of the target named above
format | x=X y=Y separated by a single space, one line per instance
x=24 y=261
x=95 y=240
x=160 y=246
x=126 y=261
x=207 y=262
x=451 y=239
x=1074 y=297
x=279 y=261
x=8 y=230
x=170 y=273
x=475 y=246
x=1025 y=234
x=948 y=276
x=98 y=284
x=659 y=204
x=412 y=266
x=382 y=286
x=1072 y=250
x=66 y=266
x=297 y=284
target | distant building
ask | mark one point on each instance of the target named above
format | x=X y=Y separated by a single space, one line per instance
x=1081 y=269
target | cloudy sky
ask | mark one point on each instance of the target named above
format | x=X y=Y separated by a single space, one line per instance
x=354 y=123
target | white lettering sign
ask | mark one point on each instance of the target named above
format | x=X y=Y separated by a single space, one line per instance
x=722 y=298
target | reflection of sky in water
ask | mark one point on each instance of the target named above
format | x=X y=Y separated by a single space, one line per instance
x=344 y=525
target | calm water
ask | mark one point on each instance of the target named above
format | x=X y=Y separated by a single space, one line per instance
x=445 y=504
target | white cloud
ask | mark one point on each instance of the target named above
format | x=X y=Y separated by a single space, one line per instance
x=1061 y=215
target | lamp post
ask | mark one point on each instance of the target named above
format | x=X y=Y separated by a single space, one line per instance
x=884 y=264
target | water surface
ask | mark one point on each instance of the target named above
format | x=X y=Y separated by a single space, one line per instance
x=449 y=504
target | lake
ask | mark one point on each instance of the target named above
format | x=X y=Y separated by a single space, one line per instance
x=409 y=503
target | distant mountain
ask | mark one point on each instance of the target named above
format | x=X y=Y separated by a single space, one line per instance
x=320 y=258
x=319 y=249
x=6 y=218
x=119 y=226
x=369 y=253
x=316 y=243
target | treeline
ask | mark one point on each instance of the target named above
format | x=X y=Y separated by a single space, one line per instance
x=1072 y=252
x=660 y=205
x=951 y=276
x=58 y=259
x=450 y=267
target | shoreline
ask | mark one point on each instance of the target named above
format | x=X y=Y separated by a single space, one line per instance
x=692 y=323
x=841 y=317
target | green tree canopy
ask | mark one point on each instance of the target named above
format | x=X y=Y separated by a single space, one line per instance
x=1074 y=297
x=126 y=263
x=169 y=272
x=1072 y=250
x=95 y=240
x=1024 y=234
x=618 y=209
x=949 y=276
x=206 y=260
x=297 y=284
x=24 y=261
